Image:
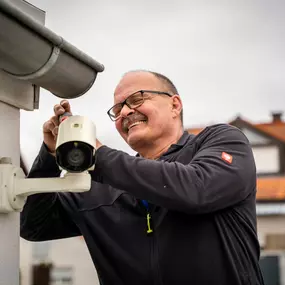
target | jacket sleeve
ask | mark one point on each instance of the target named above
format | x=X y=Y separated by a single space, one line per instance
x=44 y=216
x=210 y=182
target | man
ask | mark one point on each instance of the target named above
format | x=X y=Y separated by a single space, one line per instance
x=180 y=212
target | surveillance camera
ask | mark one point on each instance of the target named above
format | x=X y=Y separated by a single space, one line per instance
x=76 y=144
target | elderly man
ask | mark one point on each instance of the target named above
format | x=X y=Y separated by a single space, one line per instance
x=182 y=211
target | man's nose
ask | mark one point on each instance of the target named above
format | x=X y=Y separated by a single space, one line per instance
x=126 y=111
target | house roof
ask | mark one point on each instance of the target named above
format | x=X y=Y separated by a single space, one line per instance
x=270 y=188
x=274 y=129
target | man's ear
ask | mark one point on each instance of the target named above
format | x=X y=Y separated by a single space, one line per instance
x=176 y=105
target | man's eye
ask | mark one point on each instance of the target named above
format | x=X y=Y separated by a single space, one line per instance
x=136 y=100
x=117 y=110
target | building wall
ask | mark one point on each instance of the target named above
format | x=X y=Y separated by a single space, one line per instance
x=266 y=159
x=70 y=252
x=265 y=154
x=270 y=225
x=25 y=261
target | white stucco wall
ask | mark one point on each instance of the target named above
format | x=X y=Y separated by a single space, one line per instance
x=70 y=252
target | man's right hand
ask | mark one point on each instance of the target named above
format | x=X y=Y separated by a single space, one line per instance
x=50 y=127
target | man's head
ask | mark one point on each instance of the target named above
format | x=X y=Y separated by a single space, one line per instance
x=152 y=111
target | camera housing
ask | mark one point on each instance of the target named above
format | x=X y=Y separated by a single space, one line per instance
x=76 y=144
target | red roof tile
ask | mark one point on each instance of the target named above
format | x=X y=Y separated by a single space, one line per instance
x=270 y=188
x=274 y=129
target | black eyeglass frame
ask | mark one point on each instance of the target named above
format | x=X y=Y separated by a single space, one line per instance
x=125 y=101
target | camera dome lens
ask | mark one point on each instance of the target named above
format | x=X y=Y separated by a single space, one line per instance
x=75 y=157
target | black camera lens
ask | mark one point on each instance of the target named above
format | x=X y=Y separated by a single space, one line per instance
x=75 y=156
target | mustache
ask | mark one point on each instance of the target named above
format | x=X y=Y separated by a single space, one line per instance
x=131 y=119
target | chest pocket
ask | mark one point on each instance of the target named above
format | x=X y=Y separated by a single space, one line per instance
x=98 y=196
x=105 y=207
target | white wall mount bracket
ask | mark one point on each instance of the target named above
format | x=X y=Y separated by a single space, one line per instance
x=15 y=187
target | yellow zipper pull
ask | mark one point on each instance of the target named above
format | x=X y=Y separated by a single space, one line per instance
x=148 y=218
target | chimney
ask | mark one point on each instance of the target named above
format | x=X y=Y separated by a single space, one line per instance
x=277 y=117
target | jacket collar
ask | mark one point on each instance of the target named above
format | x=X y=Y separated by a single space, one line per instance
x=174 y=147
x=183 y=139
x=181 y=142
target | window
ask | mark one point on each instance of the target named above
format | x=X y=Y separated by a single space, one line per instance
x=41 y=274
x=61 y=276
x=40 y=251
x=266 y=159
x=270 y=268
x=275 y=241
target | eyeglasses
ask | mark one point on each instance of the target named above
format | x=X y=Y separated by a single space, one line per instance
x=135 y=100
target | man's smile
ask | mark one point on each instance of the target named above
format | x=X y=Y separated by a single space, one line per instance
x=136 y=123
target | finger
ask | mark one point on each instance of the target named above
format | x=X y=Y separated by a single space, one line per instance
x=55 y=120
x=65 y=104
x=58 y=110
x=55 y=131
x=48 y=126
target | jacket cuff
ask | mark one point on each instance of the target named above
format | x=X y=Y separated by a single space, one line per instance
x=44 y=165
x=45 y=153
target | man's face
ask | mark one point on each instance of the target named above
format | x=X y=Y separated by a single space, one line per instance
x=152 y=120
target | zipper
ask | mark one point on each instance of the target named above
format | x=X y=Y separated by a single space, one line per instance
x=149 y=223
x=154 y=267
x=149 y=227
x=154 y=262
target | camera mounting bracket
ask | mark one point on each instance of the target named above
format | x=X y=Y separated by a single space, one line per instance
x=15 y=187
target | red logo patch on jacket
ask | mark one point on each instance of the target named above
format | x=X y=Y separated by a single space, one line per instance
x=227 y=157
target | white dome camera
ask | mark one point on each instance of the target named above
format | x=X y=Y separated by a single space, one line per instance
x=75 y=153
x=76 y=144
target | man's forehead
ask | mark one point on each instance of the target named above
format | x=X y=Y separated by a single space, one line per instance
x=134 y=81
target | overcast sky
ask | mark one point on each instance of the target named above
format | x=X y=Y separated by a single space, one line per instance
x=225 y=57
